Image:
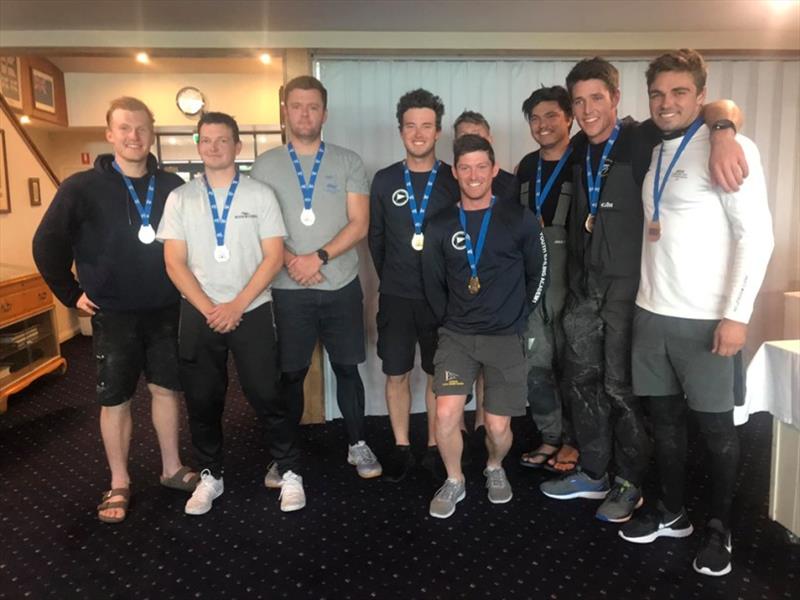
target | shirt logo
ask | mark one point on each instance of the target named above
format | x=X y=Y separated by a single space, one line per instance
x=245 y=215
x=400 y=198
x=680 y=174
x=458 y=241
x=607 y=205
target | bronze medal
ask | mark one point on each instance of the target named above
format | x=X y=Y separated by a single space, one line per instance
x=474 y=285
x=654 y=231
x=589 y=225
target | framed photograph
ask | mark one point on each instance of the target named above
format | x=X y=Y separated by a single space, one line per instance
x=5 y=201
x=44 y=91
x=11 y=81
x=34 y=191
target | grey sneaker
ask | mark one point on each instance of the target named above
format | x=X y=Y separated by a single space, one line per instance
x=273 y=478
x=622 y=500
x=364 y=460
x=444 y=502
x=499 y=488
x=576 y=484
x=293 y=496
x=208 y=490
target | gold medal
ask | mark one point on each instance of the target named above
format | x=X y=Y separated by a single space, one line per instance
x=654 y=231
x=474 y=285
x=589 y=225
x=417 y=241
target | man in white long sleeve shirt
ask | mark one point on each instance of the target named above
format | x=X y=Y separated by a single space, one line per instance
x=705 y=253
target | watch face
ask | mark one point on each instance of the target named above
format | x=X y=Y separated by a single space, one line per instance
x=190 y=101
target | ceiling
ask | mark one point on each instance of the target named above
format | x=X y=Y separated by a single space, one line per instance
x=160 y=64
x=401 y=15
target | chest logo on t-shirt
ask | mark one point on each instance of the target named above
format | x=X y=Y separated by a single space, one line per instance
x=400 y=197
x=245 y=215
x=331 y=185
x=680 y=174
x=458 y=241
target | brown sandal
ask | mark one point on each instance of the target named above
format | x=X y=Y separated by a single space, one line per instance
x=176 y=482
x=106 y=504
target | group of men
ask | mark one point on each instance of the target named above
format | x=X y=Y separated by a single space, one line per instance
x=613 y=276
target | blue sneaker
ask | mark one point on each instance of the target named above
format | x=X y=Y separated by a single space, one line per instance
x=576 y=485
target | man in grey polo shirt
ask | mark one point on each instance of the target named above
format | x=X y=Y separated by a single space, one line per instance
x=323 y=192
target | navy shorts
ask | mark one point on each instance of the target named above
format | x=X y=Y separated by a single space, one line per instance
x=336 y=318
x=127 y=343
x=402 y=323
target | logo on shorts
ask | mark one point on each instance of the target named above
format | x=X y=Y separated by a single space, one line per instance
x=452 y=379
x=458 y=240
x=400 y=198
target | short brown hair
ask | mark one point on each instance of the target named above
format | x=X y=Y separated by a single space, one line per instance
x=128 y=103
x=306 y=82
x=685 y=60
x=471 y=143
x=594 y=68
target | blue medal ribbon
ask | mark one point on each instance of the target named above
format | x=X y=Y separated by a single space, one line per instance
x=220 y=222
x=659 y=185
x=540 y=195
x=418 y=214
x=146 y=209
x=306 y=188
x=593 y=182
x=474 y=254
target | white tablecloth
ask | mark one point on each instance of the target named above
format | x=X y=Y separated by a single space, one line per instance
x=773 y=383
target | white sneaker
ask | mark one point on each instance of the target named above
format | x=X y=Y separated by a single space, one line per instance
x=273 y=479
x=293 y=496
x=365 y=462
x=204 y=494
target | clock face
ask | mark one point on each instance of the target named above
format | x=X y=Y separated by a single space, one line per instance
x=190 y=101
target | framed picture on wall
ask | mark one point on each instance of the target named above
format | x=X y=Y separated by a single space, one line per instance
x=44 y=91
x=11 y=81
x=34 y=191
x=5 y=201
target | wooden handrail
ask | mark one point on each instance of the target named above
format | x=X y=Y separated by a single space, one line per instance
x=12 y=117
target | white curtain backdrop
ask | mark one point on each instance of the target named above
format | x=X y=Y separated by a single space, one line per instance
x=363 y=94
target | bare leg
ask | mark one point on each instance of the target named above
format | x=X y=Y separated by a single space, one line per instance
x=398 y=402
x=430 y=405
x=479 y=412
x=449 y=410
x=116 y=425
x=166 y=414
x=498 y=439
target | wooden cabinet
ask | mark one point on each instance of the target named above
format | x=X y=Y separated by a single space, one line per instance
x=29 y=345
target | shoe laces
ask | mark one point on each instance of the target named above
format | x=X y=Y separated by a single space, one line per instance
x=716 y=539
x=362 y=454
x=292 y=485
x=495 y=478
x=449 y=491
x=206 y=485
x=620 y=489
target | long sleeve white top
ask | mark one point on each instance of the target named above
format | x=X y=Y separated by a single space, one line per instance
x=714 y=248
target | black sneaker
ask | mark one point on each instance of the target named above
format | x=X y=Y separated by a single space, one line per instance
x=714 y=556
x=651 y=525
x=398 y=464
x=432 y=463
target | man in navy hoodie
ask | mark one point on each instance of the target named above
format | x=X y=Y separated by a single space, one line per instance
x=104 y=220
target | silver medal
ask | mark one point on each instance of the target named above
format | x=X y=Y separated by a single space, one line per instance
x=222 y=254
x=307 y=217
x=147 y=235
x=417 y=241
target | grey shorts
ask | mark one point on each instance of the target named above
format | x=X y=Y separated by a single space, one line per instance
x=672 y=355
x=459 y=357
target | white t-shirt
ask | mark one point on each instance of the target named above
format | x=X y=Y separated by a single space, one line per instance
x=715 y=247
x=254 y=216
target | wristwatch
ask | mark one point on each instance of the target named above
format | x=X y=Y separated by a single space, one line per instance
x=323 y=256
x=723 y=124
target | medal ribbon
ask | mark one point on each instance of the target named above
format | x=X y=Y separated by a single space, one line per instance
x=219 y=223
x=418 y=215
x=306 y=188
x=474 y=256
x=144 y=211
x=540 y=194
x=658 y=189
x=593 y=182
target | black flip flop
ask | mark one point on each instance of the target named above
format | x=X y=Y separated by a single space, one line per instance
x=531 y=465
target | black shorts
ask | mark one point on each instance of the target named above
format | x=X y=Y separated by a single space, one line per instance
x=336 y=318
x=127 y=343
x=402 y=323
x=459 y=358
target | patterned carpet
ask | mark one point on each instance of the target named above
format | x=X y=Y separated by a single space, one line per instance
x=356 y=539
